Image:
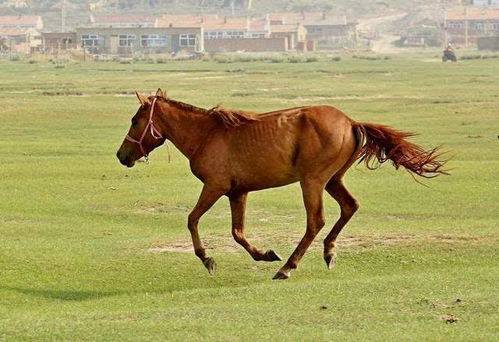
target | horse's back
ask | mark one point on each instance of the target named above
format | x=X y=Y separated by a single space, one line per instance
x=273 y=150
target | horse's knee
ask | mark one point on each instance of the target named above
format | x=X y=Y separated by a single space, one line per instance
x=314 y=228
x=192 y=221
x=320 y=222
x=350 y=207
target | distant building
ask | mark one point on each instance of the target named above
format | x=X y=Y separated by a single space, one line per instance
x=485 y=2
x=247 y=45
x=21 y=21
x=20 y=40
x=216 y=27
x=329 y=31
x=226 y=34
x=14 y=3
x=294 y=33
x=54 y=42
x=127 y=41
x=465 y=24
x=421 y=32
x=15 y=35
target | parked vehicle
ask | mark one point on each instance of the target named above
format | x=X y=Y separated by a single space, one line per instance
x=449 y=55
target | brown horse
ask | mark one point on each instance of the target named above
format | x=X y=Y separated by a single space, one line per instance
x=234 y=152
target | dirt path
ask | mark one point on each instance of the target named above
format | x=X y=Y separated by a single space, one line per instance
x=346 y=243
x=386 y=38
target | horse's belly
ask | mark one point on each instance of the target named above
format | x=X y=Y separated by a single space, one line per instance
x=261 y=173
x=262 y=155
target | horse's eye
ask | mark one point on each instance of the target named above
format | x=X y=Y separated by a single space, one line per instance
x=134 y=122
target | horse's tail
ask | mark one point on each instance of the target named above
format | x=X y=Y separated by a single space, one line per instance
x=381 y=143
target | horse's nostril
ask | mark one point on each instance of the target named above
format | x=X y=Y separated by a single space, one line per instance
x=118 y=155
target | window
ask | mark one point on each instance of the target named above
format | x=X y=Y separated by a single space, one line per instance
x=495 y=26
x=187 y=40
x=258 y=35
x=92 y=40
x=214 y=35
x=456 y=24
x=313 y=29
x=126 y=39
x=478 y=26
x=234 y=34
x=223 y=34
x=153 y=40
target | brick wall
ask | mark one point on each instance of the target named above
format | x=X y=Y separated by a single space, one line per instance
x=246 y=44
x=52 y=42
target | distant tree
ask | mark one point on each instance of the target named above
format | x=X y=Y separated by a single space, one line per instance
x=301 y=6
x=246 y=4
x=324 y=5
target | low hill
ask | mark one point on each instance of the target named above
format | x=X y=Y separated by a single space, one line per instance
x=353 y=8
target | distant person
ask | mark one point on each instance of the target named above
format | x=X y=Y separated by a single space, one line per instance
x=449 y=54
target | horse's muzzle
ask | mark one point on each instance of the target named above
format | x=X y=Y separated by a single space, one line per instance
x=125 y=160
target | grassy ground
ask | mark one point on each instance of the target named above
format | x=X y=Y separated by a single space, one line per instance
x=91 y=251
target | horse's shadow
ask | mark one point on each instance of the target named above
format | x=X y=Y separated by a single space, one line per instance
x=64 y=295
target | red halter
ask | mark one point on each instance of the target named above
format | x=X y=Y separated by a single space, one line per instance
x=154 y=132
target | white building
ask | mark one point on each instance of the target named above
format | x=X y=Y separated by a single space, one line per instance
x=14 y=3
x=485 y=2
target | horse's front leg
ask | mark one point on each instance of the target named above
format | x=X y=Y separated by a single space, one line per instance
x=238 y=209
x=209 y=195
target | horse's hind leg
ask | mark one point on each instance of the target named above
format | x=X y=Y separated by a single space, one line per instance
x=206 y=200
x=312 y=198
x=349 y=206
x=238 y=209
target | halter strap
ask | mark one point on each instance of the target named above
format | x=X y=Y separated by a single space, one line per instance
x=149 y=127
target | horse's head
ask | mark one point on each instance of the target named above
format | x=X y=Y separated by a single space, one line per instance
x=143 y=135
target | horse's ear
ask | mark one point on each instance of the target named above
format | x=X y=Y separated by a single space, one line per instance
x=142 y=98
x=160 y=93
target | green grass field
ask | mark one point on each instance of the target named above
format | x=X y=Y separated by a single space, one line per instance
x=92 y=251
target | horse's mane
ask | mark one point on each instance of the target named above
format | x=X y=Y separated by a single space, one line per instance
x=184 y=106
x=228 y=117
x=231 y=117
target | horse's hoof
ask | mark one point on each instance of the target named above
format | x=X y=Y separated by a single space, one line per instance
x=281 y=276
x=210 y=265
x=330 y=260
x=270 y=255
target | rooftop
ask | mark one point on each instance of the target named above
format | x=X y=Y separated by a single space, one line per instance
x=8 y=32
x=20 y=20
x=209 y=22
x=284 y=28
x=472 y=13
x=309 y=18
x=122 y=19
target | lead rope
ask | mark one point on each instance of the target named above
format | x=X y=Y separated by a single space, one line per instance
x=168 y=151
x=157 y=135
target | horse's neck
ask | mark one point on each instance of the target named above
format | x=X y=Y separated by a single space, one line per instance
x=187 y=130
